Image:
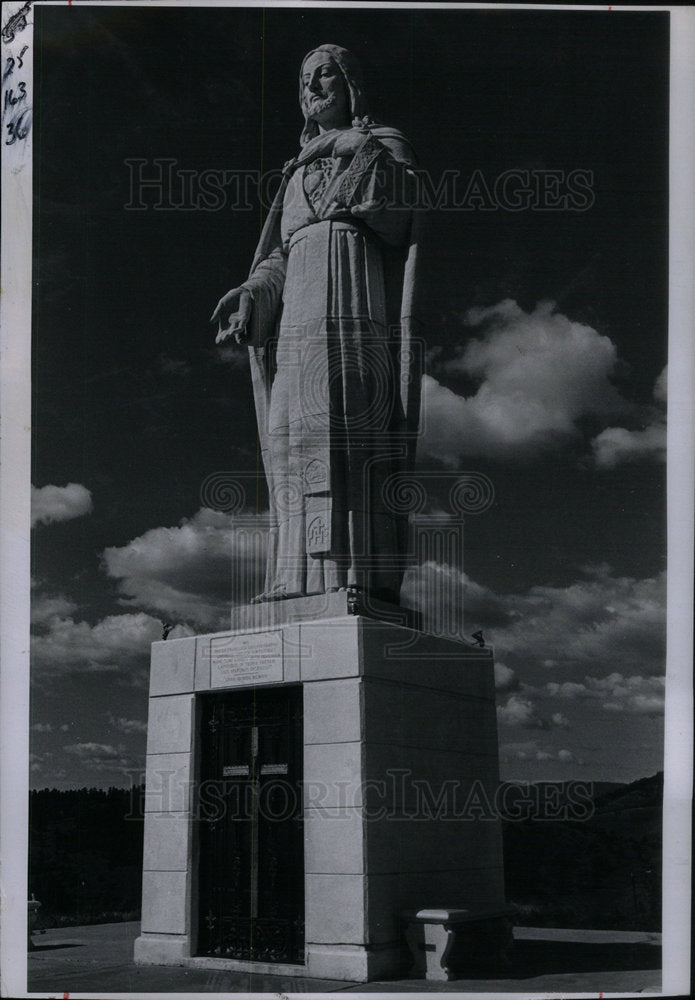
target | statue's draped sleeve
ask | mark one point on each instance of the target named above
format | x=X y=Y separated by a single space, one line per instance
x=266 y=282
x=399 y=223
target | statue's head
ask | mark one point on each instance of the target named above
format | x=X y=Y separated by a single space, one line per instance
x=330 y=89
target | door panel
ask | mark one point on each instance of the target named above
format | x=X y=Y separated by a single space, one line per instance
x=251 y=872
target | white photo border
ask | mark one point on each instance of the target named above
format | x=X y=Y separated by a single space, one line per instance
x=15 y=454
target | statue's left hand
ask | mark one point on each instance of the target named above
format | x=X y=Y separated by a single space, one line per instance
x=231 y=323
x=367 y=208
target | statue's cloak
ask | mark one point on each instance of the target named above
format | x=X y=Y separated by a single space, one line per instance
x=402 y=282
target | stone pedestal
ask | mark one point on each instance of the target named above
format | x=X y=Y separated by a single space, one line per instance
x=400 y=775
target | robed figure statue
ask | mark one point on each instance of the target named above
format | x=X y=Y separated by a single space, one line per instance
x=328 y=314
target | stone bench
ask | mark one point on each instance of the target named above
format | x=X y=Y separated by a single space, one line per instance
x=451 y=944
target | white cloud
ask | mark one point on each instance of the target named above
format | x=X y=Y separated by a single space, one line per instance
x=45 y=762
x=644 y=704
x=505 y=678
x=46 y=607
x=520 y=751
x=539 y=374
x=42 y=727
x=229 y=354
x=448 y=598
x=101 y=756
x=89 y=750
x=519 y=711
x=602 y=622
x=124 y=725
x=568 y=689
x=530 y=750
x=59 y=503
x=661 y=386
x=616 y=621
x=617 y=445
x=195 y=571
x=173 y=366
x=597 y=571
x=118 y=643
x=637 y=695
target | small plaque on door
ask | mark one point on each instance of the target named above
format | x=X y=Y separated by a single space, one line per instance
x=273 y=768
x=235 y=771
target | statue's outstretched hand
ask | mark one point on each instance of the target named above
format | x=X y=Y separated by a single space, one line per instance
x=233 y=316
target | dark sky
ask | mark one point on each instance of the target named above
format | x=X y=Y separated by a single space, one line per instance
x=131 y=399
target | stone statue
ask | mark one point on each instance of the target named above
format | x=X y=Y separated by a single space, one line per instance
x=327 y=313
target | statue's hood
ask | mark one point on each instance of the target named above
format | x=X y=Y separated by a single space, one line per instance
x=352 y=72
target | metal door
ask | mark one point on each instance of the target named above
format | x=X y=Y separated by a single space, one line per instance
x=251 y=845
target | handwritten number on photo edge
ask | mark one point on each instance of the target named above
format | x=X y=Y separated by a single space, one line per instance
x=17 y=129
x=9 y=67
x=11 y=99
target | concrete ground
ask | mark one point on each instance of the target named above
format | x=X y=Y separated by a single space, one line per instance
x=98 y=959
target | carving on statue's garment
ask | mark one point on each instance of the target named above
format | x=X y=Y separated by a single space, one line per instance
x=317 y=534
x=316 y=178
x=316 y=476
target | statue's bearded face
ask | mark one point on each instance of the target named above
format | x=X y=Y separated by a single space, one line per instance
x=324 y=92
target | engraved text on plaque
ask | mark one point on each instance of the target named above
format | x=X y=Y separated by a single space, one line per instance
x=246 y=659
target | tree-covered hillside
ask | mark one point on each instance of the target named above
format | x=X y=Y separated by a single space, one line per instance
x=85 y=854
x=602 y=871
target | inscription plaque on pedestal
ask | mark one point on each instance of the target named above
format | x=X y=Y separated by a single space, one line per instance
x=254 y=658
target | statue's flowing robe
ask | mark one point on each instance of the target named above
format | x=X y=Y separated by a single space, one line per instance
x=332 y=359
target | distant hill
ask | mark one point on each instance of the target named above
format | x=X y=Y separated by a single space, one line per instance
x=603 y=871
x=643 y=792
x=602 y=788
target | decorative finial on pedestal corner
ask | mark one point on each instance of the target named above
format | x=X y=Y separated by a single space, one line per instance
x=353 y=600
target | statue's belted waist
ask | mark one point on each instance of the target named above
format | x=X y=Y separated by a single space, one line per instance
x=333 y=224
